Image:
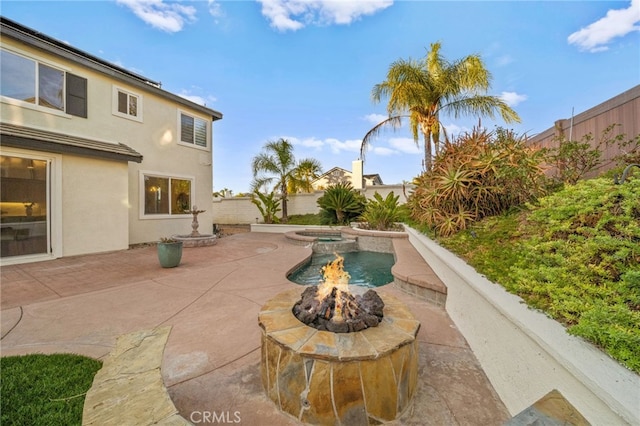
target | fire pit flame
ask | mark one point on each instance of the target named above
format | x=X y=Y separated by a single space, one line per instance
x=331 y=306
x=334 y=276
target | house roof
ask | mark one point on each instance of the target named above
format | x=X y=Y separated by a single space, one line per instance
x=43 y=140
x=329 y=172
x=375 y=177
x=9 y=28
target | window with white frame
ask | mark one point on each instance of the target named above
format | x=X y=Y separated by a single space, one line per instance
x=193 y=130
x=40 y=84
x=166 y=195
x=127 y=104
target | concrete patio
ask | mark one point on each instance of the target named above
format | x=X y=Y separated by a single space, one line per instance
x=211 y=360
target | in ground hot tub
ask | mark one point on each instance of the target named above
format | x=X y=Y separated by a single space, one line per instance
x=324 y=240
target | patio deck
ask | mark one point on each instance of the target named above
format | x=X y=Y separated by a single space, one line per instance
x=211 y=361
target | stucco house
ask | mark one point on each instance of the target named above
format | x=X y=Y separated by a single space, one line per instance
x=337 y=175
x=93 y=157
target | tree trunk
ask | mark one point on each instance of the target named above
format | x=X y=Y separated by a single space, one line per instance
x=285 y=216
x=427 y=151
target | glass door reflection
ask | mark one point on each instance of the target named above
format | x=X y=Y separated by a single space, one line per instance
x=23 y=206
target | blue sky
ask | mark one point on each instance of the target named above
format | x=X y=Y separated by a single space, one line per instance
x=304 y=69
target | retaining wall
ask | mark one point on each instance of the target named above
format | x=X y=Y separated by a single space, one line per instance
x=524 y=353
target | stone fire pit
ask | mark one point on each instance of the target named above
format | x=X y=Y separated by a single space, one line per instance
x=322 y=377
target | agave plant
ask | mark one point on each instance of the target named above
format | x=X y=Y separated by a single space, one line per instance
x=479 y=174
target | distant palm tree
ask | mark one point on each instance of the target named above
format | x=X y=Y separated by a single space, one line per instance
x=423 y=90
x=304 y=175
x=277 y=168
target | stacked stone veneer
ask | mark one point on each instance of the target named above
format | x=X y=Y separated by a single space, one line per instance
x=319 y=377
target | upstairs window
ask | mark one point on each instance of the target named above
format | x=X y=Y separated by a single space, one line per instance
x=41 y=84
x=193 y=130
x=127 y=104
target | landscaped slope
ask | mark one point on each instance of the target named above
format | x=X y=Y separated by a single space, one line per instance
x=576 y=256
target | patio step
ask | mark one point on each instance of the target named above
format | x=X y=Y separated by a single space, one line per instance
x=129 y=388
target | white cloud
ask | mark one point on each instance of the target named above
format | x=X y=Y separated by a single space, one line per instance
x=215 y=9
x=406 y=145
x=348 y=145
x=394 y=146
x=169 y=17
x=504 y=60
x=188 y=94
x=512 y=98
x=382 y=151
x=334 y=145
x=453 y=130
x=285 y=15
x=193 y=98
x=306 y=142
x=617 y=23
x=196 y=98
x=374 y=118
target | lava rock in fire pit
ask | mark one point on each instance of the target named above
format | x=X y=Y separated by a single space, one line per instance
x=339 y=311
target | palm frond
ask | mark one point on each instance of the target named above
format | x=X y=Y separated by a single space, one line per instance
x=395 y=122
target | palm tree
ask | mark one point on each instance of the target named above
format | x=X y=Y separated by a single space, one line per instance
x=276 y=167
x=304 y=175
x=423 y=90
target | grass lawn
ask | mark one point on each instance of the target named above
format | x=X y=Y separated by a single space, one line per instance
x=304 y=219
x=45 y=389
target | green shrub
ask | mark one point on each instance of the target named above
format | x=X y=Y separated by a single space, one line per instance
x=615 y=329
x=574 y=255
x=382 y=214
x=268 y=205
x=340 y=204
x=573 y=160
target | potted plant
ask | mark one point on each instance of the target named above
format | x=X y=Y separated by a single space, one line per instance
x=169 y=252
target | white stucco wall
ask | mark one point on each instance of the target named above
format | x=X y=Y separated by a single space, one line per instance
x=95 y=210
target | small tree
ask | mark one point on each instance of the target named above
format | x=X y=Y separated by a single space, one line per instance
x=573 y=160
x=380 y=213
x=340 y=204
x=268 y=205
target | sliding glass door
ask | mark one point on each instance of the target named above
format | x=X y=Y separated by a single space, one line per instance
x=24 y=200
